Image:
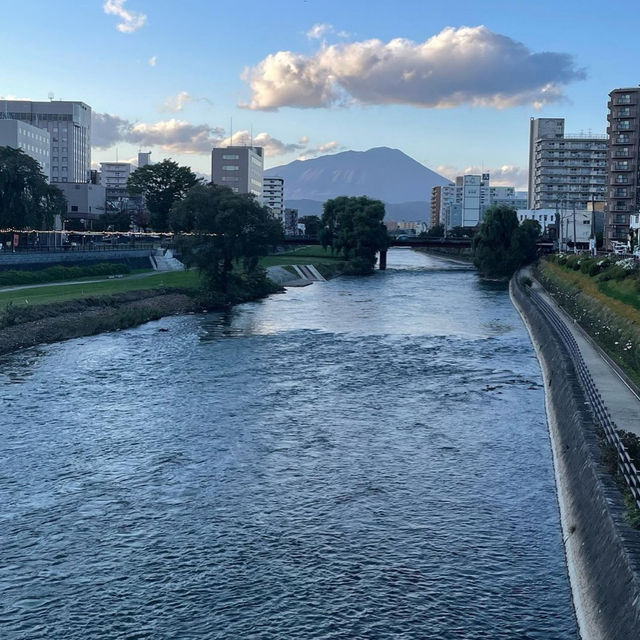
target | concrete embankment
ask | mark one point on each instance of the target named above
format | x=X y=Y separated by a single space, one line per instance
x=602 y=550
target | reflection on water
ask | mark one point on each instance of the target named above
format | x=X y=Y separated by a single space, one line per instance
x=363 y=458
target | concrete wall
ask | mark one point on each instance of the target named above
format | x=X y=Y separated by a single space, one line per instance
x=603 y=551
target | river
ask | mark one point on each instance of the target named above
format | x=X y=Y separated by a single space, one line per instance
x=362 y=458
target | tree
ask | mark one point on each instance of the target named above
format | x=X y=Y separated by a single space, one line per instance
x=228 y=228
x=437 y=231
x=27 y=201
x=113 y=221
x=162 y=185
x=353 y=226
x=311 y=225
x=501 y=245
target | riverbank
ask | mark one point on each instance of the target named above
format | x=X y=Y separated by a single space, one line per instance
x=602 y=549
x=55 y=312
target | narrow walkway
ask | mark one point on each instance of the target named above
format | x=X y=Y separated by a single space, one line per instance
x=60 y=283
x=620 y=399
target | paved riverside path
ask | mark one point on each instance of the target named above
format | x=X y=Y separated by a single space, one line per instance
x=60 y=283
x=620 y=399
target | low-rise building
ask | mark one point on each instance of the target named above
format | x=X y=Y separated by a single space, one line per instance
x=85 y=201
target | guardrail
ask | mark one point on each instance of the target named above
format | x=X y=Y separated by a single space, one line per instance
x=628 y=469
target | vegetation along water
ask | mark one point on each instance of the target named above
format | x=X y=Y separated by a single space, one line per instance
x=361 y=458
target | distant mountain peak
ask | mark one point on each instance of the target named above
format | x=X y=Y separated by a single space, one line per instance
x=381 y=172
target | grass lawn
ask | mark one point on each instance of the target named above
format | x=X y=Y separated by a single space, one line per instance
x=63 y=292
x=314 y=254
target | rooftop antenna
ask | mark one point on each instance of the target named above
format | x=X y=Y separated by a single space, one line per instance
x=116 y=154
x=251 y=135
x=231 y=133
x=51 y=96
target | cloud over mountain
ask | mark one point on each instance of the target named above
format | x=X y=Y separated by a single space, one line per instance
x=468 y=65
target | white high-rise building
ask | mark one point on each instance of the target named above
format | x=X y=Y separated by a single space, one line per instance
x=32 y=140
x=69 y=127
x=565 y=171
x=273 y=195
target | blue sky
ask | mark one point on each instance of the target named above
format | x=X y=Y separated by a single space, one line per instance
x=168 y=76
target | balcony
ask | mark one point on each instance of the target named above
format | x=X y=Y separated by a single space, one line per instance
x=622 y=166
x=621 y=139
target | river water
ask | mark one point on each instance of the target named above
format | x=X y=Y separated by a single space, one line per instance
x=363 y=458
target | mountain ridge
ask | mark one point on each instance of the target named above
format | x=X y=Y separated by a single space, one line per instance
x=383 y=173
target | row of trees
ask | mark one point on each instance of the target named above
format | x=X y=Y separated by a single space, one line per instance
x=27 y=200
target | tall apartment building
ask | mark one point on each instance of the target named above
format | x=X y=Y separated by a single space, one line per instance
x=69 y=127
x=144 y=158
x=32 y=140
x=623 y=158
x=441 y=196
x=273 y=195
x=565 y=171
x=241 y=168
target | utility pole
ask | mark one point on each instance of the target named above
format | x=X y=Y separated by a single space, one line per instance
x=575 y=245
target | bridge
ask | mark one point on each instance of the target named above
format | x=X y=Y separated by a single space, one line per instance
x=460 y=243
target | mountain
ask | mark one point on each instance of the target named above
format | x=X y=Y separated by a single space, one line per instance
x=383 y=173
x=418 y=210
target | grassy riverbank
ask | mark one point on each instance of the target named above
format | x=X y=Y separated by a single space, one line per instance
x=604 y=298
x=48 y=313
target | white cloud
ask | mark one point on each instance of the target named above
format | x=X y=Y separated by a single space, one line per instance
x=322 y=149
x=177 y=102
x=468 y=65
x=319 y=31
x=272 y=146
x=172 y=135
x=153 y=61
x=130 y=20
x=507 y=175
x=179 y=136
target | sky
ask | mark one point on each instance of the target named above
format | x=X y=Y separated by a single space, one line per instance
x=452 y=84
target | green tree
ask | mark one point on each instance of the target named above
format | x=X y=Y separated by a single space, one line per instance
x=501 y=245
x=437 y=231
x=353 y=226
x=311 y=225
x=27 y=201
x=162 y=185
x=228 y=229
x=113 y=221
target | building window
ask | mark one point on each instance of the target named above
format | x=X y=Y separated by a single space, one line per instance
x=230 y=157
x=230 y=167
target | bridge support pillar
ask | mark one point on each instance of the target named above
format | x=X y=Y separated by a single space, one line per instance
x=383 y=260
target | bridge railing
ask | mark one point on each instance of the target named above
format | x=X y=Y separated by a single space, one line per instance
x=627 y=468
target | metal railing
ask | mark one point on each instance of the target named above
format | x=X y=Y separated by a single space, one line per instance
x=625 y=464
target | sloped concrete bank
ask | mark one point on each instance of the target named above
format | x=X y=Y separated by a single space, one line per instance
x=603 y=551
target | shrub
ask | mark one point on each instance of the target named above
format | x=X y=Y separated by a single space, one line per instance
x=60 y=273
